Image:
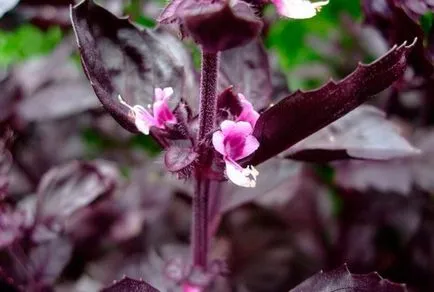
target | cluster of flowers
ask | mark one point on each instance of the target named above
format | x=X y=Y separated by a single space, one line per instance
x=234 y=139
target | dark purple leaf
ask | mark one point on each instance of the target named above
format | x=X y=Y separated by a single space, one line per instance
x=26 y=78
x=57 y=101
x=49 y=258
x=140 y=203
x=33 y=74
x=10 y=95
x=46 y=15
x=376 y=226
x=45 y=145
x=131 y=285
x=163 y=270
x=383 y=176
x=5 y=162
x=263 y=256
x=247 y=69
x=363 y=133
x=29 y=263
x=398 y=175
x=342 y=280
x=65 y=189
x=303 y=113
x=397 y=22
x=11 y=225
x=178 y=159
x=118 y=58
x=48 y=2
x=214 y=25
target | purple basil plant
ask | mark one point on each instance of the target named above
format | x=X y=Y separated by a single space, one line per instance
x=229 y=134
x=218 y=125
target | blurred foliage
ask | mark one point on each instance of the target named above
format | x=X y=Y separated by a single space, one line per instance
x=96 y=143
x=326 y=174
x=427 y=21
x=134 y=10
x=145 y=21
x=146 y=143
x=26 y=41
x=195 y=52
x=288 y=37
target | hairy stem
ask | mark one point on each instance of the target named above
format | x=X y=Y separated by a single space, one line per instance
x=214 y=205
x=207 y=117
x=208 y=94
x=200 y=223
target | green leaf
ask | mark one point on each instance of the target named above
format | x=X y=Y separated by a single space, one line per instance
x=146 y=143
x=325 y=172
x=145 y=21
x=96 y=142
x=427 y=21
x=337 y=202
x=26 y=41
x=134 y=10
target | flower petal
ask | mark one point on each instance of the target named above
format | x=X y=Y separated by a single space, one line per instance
x=187 y=287
x=163 y=114
x=243 y=177
x=245 y=103
x=158 y=94
x=226 y=126
x=250 y=146
x=248 y=113
x=298 y=9
x=168 y=92
x=235 y=136
x=143 y=119
x=236 y=128
x=218 y=142
x=162 y=94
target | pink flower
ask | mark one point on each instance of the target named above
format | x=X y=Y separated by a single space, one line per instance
x=248 y=113
x=187 y=287
x=235 y=141
x=298 y=9
x=161 y=113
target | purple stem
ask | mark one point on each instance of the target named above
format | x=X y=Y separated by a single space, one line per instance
x=207 y=114
x=214 y=204
x=200 y=223
x=208 y=94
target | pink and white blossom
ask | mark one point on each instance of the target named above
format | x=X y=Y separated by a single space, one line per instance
x=161 y=113
x=248 y=113
x=235 y=141
x=187 y=287
x=298 y=9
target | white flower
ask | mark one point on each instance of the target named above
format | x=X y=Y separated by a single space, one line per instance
x=298 y=9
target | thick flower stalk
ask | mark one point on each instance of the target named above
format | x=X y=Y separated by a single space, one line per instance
x=298 y=9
